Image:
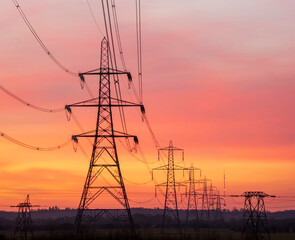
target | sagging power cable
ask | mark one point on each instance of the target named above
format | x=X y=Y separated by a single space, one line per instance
x=139 y=47
x=136 y=183
x=54 y=110
x=58 y=63
x=146 y=201
x=94 y=18
x=2 y=134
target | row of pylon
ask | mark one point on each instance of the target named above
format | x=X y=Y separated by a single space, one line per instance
x=203 y=199
x=104 y=163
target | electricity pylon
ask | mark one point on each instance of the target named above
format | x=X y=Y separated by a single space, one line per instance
x=192 y=197
x=214 y=202
x=218 y=212
x=170 y=214
x=104 y=178
x=205 y=210
x=212 y=198
x=24 y=219
x=255 y=226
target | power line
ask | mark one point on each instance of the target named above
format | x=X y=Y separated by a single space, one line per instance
x=138 y=22
x=58 y=63
x=139 y=48
x=41 y=43
x=139 y=59
x=54 y=110
x=2 y=134
x=94 y=19
x=146 y=201
x=143 y=160
x=136 y=183
x=117 y=31
x=113 y=60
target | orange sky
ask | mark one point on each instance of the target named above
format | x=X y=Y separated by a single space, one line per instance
x=218 y=81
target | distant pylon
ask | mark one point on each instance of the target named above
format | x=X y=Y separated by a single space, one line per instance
x=205 y=210
x=211 y=198
x=218 y=210
x=24 y=220
x=170 y=214
x=104 y=178
x=255 y=225
x=214 y=202
x=192 y=203
x=224 y=203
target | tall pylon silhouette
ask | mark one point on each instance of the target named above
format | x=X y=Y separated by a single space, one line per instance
x=104 y=182
x=170 y=213
x=23 y=227
x=255 y=225
x=192 y=199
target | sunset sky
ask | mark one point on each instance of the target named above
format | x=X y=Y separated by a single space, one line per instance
x=218 y=80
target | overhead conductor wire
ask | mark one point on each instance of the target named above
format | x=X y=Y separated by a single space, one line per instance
x=110 y=38
x=54 y=110
x=41 y=43
x=2 y=134
x=124 y=66
x=139 y=47
x=93 y=17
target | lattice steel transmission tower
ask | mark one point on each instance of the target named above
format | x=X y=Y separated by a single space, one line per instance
x=212 y=198
x=170 y=214
x=192 y=200
x=255 y=226
x=104 y=182
x=24 y=219
x=205 y=210
x=214 y=202
x=218 y=210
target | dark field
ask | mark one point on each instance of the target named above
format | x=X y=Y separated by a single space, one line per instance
x=147 y=235
x=58 y=225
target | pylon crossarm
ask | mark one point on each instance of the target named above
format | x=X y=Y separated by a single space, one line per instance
x=161 y=185
x=103 y=71
x=105 y=136
x=256 y=194
x=164 y=167
x=94 y=102
x=203 y=180
x=177 y=167
x=25 y=205
x=171 y=148
x=81 y=103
